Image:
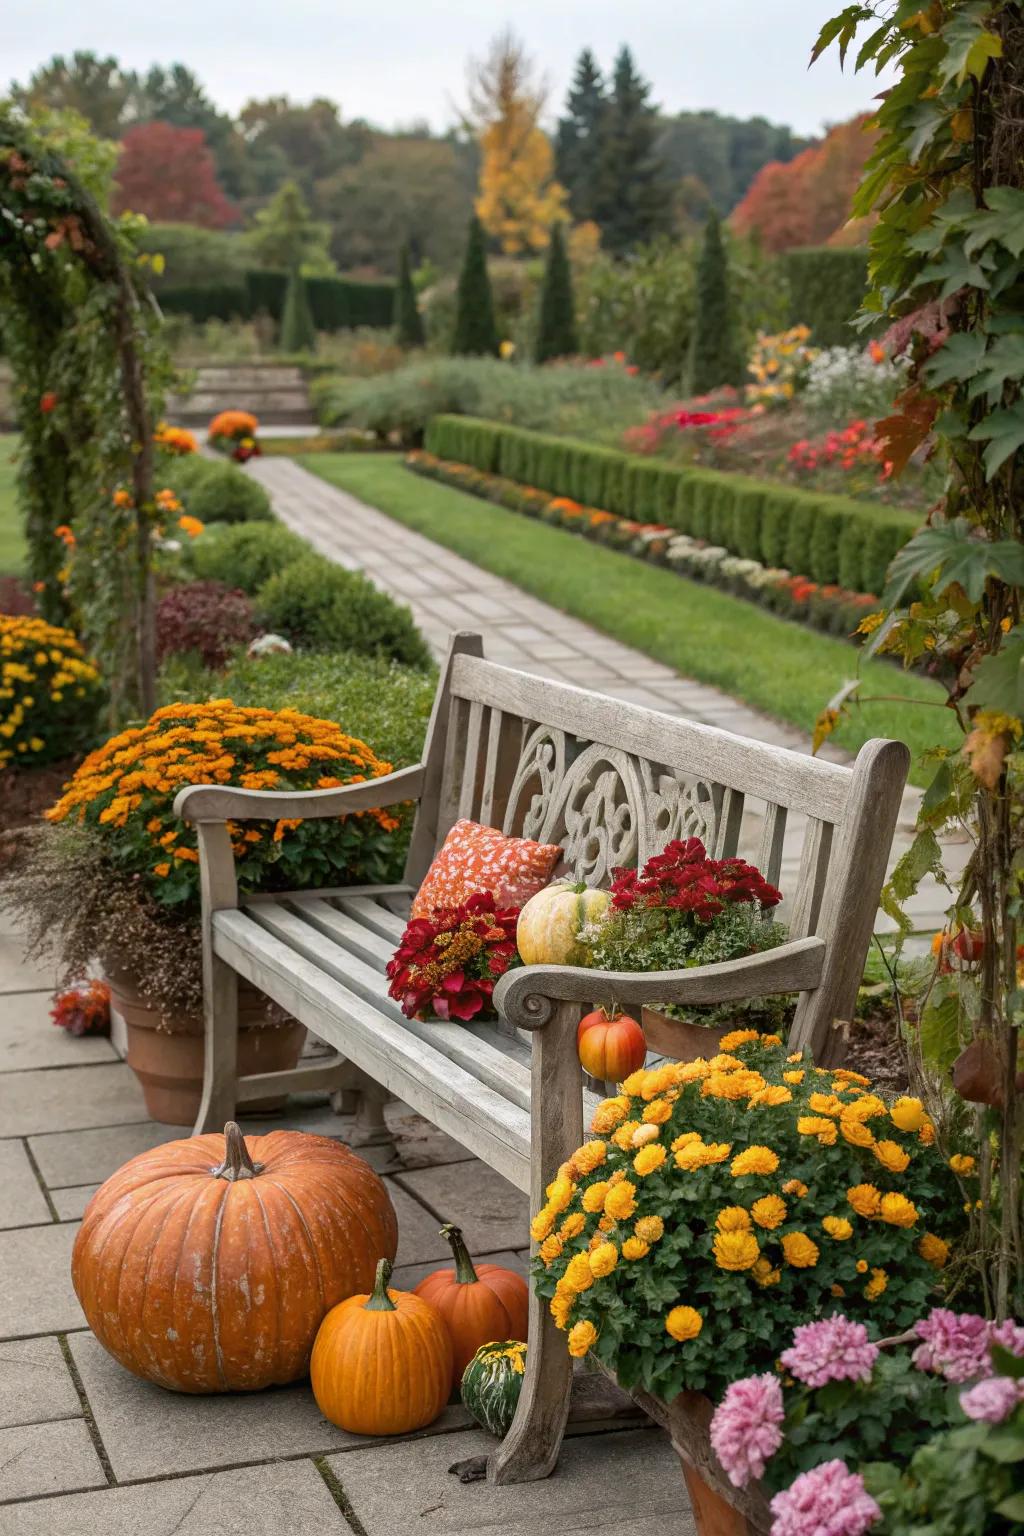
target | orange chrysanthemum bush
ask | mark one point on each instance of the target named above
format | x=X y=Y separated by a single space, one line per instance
x=50 y=693
x=124 y=792
x=234 y=433
x=723 y=1202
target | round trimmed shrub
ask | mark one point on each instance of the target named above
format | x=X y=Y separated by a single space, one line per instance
x=217 y=491
x=245 y=555
x=322 y=606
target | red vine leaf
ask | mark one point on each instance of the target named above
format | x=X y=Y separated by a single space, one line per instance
x=900 y=435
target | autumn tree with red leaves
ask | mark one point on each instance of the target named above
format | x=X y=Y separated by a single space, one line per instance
x=806 y=201
x=168 y=174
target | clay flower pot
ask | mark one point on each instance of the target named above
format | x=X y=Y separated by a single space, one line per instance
x=685 y=1042
x=165 y=1051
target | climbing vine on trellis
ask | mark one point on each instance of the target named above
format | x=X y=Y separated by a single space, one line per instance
x=82 y=337
x=945 y=183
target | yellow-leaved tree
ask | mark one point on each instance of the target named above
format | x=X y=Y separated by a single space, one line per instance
x=518 y=199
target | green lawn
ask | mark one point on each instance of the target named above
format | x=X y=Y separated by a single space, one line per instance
x=12 y=538
x=786 y=669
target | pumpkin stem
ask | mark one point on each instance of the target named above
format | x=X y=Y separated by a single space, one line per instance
x=380 y=1301
x=465 y=1274
x=237 y=1163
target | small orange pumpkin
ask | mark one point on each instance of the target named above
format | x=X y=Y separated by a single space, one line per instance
x=479 y=1303
x=382 y=1364
x=207 y=1264
x=610 y=1045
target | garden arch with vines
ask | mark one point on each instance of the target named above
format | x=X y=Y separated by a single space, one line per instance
x=80 y=332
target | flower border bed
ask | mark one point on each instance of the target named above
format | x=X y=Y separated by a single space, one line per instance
x=830 y=608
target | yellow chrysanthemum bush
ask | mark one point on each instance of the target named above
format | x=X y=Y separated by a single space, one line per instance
x=50 y=693
x=124 y=792
x=772 y=1192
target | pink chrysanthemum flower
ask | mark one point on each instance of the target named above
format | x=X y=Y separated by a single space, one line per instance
x=747 y=1427
x=1010 y=1335
x=955 y=1344
x=833 y=1349
x=991 y=1401
x=830 y=1500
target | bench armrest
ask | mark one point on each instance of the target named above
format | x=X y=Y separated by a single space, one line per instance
x=215 y=802
x=527 y=997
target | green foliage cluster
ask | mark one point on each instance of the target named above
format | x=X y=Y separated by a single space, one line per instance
x=305 y=597
x=719 y=155
x=588 y=402
x=556 y=322
x=475 y=333
x=714 y=358
x=322 y=606
x=336 y=303
x=217 y=491
x=827 y=286
x=829 y=538
x=245 y=555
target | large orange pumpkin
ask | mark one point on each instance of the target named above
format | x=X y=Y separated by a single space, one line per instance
x=479 y=1303
x=207 y=1265
x=382 y=1364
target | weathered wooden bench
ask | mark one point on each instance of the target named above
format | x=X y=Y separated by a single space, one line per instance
x=610 y=782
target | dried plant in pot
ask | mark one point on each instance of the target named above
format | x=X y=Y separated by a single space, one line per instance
x=115 y=874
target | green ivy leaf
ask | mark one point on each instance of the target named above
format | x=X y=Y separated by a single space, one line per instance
x=1012 y=1508
x=939 y=1032
x=1003 y=221
x=1004 y=432
x=1004 y=362
x=958 y=359
x=969 y=44
x=956 y=270
x=1004 y=1445
x=999 y=680
x=952 y=553
x=841 y=28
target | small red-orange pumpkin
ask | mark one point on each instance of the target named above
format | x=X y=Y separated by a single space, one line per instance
x=382 y=1364
x=610 y=1045
x=479 y=1303
x=207 y=1265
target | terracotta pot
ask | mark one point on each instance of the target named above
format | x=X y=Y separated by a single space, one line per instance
x=165 y=1051
x=684 y=1042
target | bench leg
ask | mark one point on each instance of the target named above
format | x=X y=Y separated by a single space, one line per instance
x=359 y=1094
x=220 y=1062
x=530 y=1449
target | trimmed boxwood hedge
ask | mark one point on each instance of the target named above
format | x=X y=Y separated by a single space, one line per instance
x=337 y=303
x=832 y=539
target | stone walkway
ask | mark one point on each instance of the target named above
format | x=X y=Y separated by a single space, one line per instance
x=84 y=1445
x=446 y=592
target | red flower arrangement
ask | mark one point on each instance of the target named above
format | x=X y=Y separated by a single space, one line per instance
x=682 y=878
x=450 y=961
x=856 y=445
x=83 y=1009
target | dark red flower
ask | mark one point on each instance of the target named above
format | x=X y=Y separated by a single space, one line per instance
x=48 y=402
x=450 y=960
x=683 y=878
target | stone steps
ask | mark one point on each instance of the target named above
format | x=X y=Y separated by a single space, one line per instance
x=275 y=393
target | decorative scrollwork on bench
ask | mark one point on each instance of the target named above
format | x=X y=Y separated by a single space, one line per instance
x=605 y=806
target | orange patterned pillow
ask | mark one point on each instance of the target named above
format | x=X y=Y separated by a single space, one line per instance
x=475 y=858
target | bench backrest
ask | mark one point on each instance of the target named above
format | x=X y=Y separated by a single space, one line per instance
x=613 y=782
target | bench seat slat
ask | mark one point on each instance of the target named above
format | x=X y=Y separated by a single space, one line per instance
x=372 y=915
x=489 y=1061
x=484 y=1121
x=345 y=930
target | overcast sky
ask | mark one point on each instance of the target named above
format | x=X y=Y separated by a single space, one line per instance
x=393 y=61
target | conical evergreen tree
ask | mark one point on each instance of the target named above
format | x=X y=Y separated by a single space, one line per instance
x=556 y=321
x=714 y=349
x=298 y=333
x=577 y=141
x=633 y=201
x=408 y=320
x=476 y=334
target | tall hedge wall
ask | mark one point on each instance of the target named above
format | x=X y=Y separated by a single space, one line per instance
x=832 y=539
x=337 y=303
x=826 y=288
